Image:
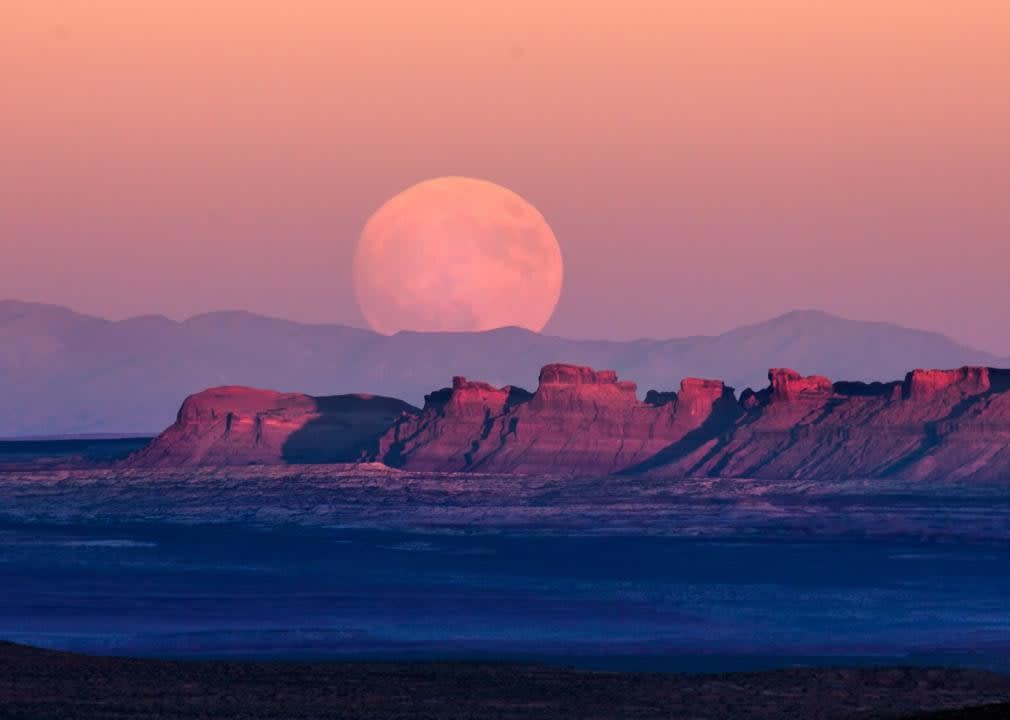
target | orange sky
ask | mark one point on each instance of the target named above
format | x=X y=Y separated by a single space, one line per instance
x=703 y=164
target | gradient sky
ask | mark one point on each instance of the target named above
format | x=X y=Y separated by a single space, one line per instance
x=703 y=164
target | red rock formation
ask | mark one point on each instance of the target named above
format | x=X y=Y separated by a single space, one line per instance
x=572 y=387
x=245 y=426
x=478 y=399
x=934 y=425
x=789 y=386
x=579 y=421
x=697 y=399
x=443 y=435
x=924 y=384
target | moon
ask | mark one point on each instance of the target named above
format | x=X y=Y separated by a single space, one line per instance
x=457 y=254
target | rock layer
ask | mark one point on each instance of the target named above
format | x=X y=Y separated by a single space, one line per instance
x=579 y=421
x=933 y=425
x=246 y=426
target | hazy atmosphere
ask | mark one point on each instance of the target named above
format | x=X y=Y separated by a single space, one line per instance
x=535 y=358
x=701 y=164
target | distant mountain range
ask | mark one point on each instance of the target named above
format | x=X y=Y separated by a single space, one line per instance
x=64 y=373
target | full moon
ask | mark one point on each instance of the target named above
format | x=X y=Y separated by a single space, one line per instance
x=457 y=254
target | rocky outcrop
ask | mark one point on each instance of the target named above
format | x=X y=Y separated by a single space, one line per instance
x=444 y=434
x=933 y=425
x=789 y=386
x=579 y=421
x=699 y=399
x=246 y=426
x=925 y=384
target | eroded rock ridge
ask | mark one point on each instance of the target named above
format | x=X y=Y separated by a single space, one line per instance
x=246 y=426
x=933 y=425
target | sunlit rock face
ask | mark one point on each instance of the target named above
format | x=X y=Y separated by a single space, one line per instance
x=447 y=433
x=788 y=385
x=246 y=426
x=578 y=421
x=457 y=254
x=935 y=425
x=966 y=381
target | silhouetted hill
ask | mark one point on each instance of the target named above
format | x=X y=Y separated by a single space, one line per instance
x=62 y=372
x=46 y=684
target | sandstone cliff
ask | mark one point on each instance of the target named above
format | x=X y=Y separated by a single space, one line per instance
x=245 y=426
x=579 y=421
x=933 y=425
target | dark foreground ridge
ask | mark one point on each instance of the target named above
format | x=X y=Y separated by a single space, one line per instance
x=935 y=425
x=44 y=684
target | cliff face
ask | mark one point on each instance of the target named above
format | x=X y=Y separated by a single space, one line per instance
x=579 y=421
x=245 y=426
x=449 y=429
x=933 y=425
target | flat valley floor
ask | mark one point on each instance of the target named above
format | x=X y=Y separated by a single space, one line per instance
x=609 y=575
